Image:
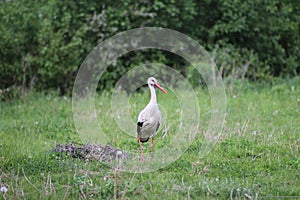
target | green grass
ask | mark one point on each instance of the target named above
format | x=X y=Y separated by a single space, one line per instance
x=257 y=156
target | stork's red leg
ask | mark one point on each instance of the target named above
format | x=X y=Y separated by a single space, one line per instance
x=141 y=149
x=151 y=146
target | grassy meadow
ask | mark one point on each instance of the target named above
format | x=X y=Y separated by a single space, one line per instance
x=257 y=156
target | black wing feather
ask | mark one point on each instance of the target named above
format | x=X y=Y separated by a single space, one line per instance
x=140 y=124
x=139 y=127
x=158 y=124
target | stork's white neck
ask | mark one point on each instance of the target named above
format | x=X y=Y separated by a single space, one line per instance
x=153 y=95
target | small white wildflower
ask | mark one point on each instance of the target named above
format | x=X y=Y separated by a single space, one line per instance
x=293 y=88
x=3 y=189
x=119 y=153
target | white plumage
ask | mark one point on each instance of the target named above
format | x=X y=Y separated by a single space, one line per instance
x=149 y=118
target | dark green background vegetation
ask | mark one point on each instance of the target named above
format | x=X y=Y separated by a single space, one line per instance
x=256 y=45
x=43 y=43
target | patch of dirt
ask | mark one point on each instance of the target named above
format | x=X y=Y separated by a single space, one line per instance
x=103 y=153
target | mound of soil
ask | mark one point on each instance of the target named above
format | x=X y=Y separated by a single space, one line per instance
x=91 y=152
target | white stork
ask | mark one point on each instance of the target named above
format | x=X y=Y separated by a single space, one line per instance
x=149 y=118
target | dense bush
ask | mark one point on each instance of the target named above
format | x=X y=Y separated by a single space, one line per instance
x=43 y=43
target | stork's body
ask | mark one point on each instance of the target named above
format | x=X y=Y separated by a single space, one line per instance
x=150 y=117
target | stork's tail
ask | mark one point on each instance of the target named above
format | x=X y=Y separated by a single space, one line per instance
x=144 y=139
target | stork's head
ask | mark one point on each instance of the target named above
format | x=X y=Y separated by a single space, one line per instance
x=153 y=82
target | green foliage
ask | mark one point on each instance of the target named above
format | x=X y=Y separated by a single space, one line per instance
x=269 y=28
x=61 y=46
x=43 y=43
x=17 y=41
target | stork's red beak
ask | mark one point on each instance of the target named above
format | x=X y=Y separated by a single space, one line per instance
x=161 y=88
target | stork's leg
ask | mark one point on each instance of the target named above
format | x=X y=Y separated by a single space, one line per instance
x=151 y=146
x=141 y=149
